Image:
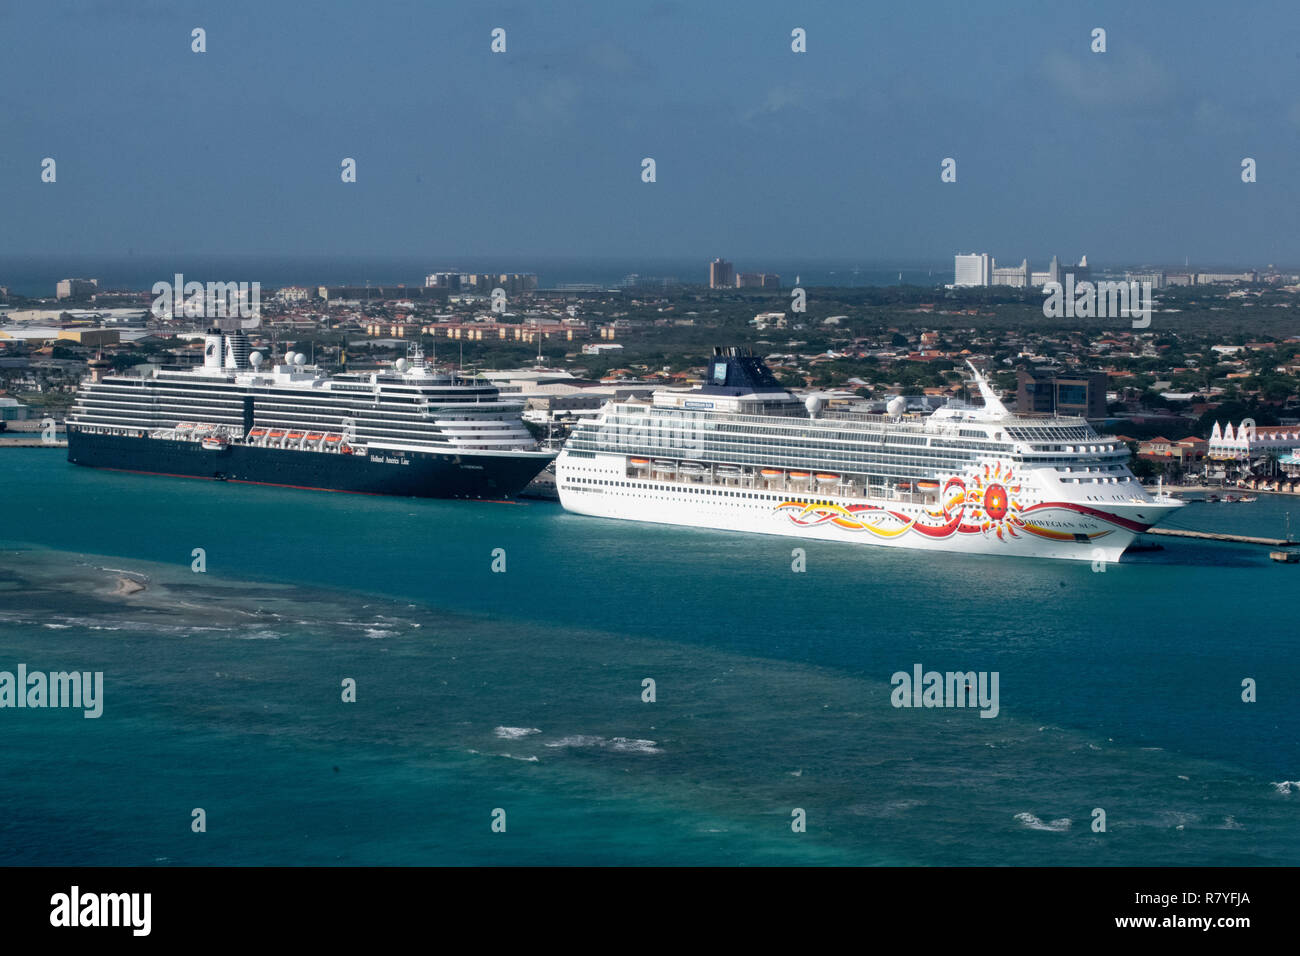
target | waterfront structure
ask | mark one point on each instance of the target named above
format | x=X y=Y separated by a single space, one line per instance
x=1052 y=392
x=721 y=274
x=975 y=269
x=76 y=288
x=1248 y=441
x=1156 y=279
x=1212 y=278
x=12 y=410
x=741 y=453
x=407 y=431
x=1014 y=276
x=293 y=294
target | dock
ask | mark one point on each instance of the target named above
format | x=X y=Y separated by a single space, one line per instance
x=1219 y=536
x=31 y=442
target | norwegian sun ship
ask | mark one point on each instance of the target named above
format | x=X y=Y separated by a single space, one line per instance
x=405 y=431
x=740 y=453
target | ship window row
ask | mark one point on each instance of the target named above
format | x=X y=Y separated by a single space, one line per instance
x=899 y=466
x=618 y=427
x=617 y=438
x=766 y=451
x=1068 y=433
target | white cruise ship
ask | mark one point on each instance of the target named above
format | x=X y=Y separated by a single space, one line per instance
x=741 y=453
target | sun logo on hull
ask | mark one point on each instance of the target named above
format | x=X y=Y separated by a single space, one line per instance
x=991 y=496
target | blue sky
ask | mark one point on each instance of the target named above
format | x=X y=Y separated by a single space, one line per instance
x=1132 y=155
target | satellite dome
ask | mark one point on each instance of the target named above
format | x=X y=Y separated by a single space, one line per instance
x=288 y=358
x=897 y=405
x=814 y=405
x=299 y=359
x=400 y=365
x=255 y=359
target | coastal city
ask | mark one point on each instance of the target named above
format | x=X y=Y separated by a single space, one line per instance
x=1208 y=394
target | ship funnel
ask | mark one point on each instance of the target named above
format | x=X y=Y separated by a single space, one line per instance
x=213 y=350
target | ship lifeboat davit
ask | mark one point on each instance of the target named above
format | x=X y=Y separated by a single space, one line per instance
x=771 y=473
x=690 y=468
x=214 y=444
x=639 y=462
x=800 y=475
x=927 y=485
x=665 y=466
x=257 y=433
x=729 y=470
x=827 y=479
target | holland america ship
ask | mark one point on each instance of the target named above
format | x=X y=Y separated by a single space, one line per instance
x=741 y=453
x=409 y=431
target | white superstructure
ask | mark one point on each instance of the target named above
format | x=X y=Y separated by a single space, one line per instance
x=741 y=453
x=409 y=408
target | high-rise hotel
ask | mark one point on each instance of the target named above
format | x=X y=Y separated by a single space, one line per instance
x=722 y=274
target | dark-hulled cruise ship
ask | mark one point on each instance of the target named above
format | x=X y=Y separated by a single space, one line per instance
x=408 y=431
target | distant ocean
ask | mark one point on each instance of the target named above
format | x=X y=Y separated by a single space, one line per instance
x=522 y=691
x=37 y=276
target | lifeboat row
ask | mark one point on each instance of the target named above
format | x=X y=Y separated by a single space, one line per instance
x=311 y=441
x=665 y=467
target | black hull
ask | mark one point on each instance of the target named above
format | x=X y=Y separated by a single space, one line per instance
x=408 y=474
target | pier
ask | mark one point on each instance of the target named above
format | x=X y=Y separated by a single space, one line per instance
x=34 y=441
x=1220 y=536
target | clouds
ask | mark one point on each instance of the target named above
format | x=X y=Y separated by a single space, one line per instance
x=1124 y=79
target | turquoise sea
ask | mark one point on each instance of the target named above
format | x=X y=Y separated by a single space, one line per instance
x=522 y=690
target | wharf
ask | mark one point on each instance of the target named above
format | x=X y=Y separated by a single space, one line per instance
x=1219 y=536
x=34 y=441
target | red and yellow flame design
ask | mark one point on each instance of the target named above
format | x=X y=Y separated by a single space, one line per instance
x=986 y=502
x=992 y=501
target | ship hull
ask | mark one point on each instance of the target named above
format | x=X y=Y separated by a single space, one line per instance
x=1053 y=529
x=483 y=475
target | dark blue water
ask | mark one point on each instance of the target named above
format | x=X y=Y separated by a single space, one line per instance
x=32 y=276
x=521 y=690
